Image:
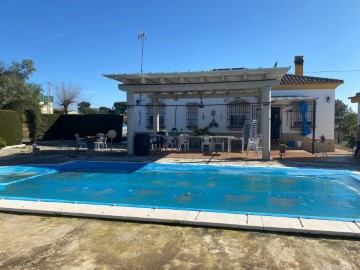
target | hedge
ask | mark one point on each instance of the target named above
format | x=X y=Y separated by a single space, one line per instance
x=10 y=127
x=64 y=127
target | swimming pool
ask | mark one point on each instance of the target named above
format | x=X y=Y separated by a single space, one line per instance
x=289 y=192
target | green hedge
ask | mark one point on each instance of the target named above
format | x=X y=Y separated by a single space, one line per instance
x=10 y=127
x=64 y=127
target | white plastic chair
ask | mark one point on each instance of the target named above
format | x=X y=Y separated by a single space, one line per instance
x=183 y=141
x=80 y=142
x=170 y=141
x=254 y=139
x=101 y=142
x=206 y=141
x=218 y=141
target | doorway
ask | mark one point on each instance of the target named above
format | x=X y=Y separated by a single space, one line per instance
x=275 y=123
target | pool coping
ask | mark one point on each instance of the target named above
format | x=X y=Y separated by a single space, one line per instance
x=187 y=217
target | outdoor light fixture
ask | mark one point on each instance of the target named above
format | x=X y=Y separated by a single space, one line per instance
x=201 y=104
x=328 y=99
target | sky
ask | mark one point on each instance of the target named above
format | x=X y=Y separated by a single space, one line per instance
x=79 y=40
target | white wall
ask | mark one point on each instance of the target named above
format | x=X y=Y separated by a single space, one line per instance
x=325 y=112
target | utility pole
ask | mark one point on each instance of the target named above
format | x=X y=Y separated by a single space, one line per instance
x=142 y=37
x=48 y=98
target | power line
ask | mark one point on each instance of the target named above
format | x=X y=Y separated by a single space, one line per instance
x=334 y=71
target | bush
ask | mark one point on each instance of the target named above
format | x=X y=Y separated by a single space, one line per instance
x=2 y=142
x=11 y=127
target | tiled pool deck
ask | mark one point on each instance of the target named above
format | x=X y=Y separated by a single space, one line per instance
x=339 y=159
x=183 y=217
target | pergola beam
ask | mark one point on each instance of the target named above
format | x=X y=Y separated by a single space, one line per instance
x=154 y=88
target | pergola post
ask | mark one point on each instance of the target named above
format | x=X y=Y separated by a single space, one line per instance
x=156 y=116
x=130 y=122
x=265 y=122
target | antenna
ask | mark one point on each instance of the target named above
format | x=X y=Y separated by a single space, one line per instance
x=142 y=37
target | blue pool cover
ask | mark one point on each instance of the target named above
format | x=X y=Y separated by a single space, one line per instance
x=290 y=192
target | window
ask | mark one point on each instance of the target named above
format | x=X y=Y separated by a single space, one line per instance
x=150 y=116
x=297 y=116
x=237 y=114
x=192 y=112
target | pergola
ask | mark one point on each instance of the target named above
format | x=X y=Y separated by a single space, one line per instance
x=217 y=83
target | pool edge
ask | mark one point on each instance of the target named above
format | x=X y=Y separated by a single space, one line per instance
x=187 y=217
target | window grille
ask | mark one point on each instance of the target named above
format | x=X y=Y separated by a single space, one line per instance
x=237 y=114
x=297 y=117
x=150 y=109
x=192 y=112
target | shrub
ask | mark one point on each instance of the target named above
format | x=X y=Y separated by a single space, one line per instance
x=65 y=126
x=2 y=142
x=11 y=127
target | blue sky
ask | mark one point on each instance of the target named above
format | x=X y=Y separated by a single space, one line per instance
x=78 y=41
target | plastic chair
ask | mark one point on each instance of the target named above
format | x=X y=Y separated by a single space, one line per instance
x=218 y=141
x=170 y=141
x=254 y=139
x=101 y=141
x=321 y=147
x=183 y=141
x=80 y=142
x=206 y=141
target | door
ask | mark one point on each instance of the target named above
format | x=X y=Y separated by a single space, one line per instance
x=275 y=123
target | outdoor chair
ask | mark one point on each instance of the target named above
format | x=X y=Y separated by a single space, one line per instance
x=254 y=139
x=170 y=141
x=218 y=141
x=253 y=144
x=80 y=142
x=101 y=141
x=206 y=141
x=183 y=141
x=320 y=147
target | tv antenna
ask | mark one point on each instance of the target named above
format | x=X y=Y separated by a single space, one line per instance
x=142 y=37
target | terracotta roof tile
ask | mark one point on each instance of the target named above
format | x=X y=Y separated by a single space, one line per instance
x=296 y=79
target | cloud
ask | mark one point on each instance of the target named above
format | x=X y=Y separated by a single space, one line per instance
x=89 y=92
x=54 y=37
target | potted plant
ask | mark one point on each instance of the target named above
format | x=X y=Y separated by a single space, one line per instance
x=283 y=147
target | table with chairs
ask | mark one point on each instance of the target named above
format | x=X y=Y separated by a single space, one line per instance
x=185 y=142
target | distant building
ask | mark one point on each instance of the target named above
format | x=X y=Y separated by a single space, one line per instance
x=47 y=104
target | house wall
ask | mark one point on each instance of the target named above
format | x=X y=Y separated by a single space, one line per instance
x=175 y=115
x=47 y=109
x=325 y=113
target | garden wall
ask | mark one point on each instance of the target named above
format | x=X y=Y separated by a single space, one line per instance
x=64 y=127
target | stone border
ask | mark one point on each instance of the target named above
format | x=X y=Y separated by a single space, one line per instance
x=185 y=217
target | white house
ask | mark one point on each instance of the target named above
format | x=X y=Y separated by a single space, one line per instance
x=47 y=104
x=190 y=100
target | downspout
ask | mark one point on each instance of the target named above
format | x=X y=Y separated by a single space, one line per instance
x=313 y=136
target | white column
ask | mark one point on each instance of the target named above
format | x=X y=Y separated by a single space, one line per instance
x=265 y=122
x=156 y=116
x=130 y=123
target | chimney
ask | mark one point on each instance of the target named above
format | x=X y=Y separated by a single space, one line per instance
x=299 y=65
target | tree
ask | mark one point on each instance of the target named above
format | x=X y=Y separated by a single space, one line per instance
x=17 y=94
x=120 y=107
x=104 y=110
x=83 y=107
x=67 y=94
x=345 y=118
x=340 y=110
